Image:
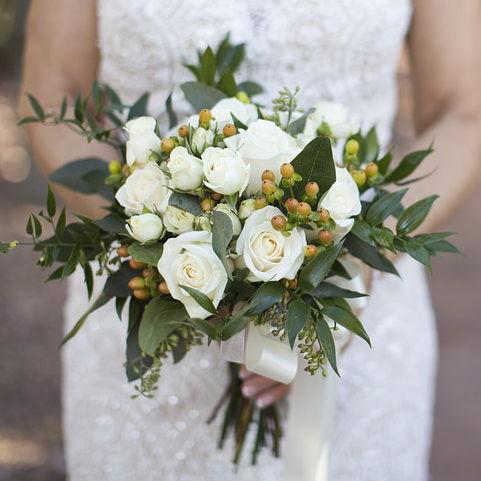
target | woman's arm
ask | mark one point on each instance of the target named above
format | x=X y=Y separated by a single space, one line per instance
x=444 y=45
x=61 y=58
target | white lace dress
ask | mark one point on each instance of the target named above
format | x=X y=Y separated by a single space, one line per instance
x=343 y=49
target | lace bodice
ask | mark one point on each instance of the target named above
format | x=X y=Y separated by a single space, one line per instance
x=346 y=50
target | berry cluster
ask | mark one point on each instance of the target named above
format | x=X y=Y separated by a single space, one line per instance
x=363 y=175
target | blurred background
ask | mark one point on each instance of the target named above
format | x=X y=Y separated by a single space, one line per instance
x=31 y=313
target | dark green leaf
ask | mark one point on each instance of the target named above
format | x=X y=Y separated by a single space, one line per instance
x=231 y=59
x=201 y=96
x=227 y=84
x=99 y=302
x=55 y=275
x=60 y=227
x=266 y=296
x=207 y=66
x=298 y=314
x=170 y=112
x=426 y=239
x=371 y=146
x=408 y=165
x=318 y=268
x=117 y=284
x=315 y=164
x=250 y=88
x=443 y=246
x=234 y=325
x=369 y=255
x=414 y=215
x=205 y=327
x=326 y=289
x=28 y=120
x=383 y=207
x=88 y=278
x=221 y=237
x=297 y=126
x=384 y=162
x=71 y=264
x=204 y=301
x=137 y=363
x=362 y=230
x=37 y=108
x=119 y=305
x=78 y=109
x=111 y=223
x=37 y=226
x=326 y=341
x=383 y=237
x=139 y=108
x=348 y=320
x=147 y=253
x=417 y=252
x=51 y=204
x=161 y=317
x=187 y=202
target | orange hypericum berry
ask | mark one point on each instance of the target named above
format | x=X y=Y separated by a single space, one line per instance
x=311 y=189
x=325 y=238
x=287 y=171
x=268 y=187
x=136 y=264
x=310 y=251
x=163 y=289
x=268 y=175
x=324 y=216
x=304 y=209
x=137 y=283
x=229 y=130
x=167 y=146
x=122 y=251
x=292 y=205
x=371 y=169
x=352 y=147
x=207 y=204
x=141 y=294
x=359 y=177
x=205 y=116
x=260 y=202
x=183 y=131
x=278 y=222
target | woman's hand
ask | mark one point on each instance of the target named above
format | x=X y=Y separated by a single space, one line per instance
x=264 y=390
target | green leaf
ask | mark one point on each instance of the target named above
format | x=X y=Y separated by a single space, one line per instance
x=208 y=66
x=147 y=253
x=348 y=320
x=51 y=204
x=371 y=146
x=234 y=325
x=161 y=317
x=170 y=111
x=119 y=305
x=221 y=237
x=383 y=207
x=201 y=96
x=414 y=215
x=417 y=252
x=298 y=313
x=28 y=120
x=62 y=219
x=88 y=278
x=133 y=368
x=315 y=164
x=36 y=107
x=204 y=301
x=187 y=202
x=443 y=246
x=205 y=327
x=369 y=255
x=318 y=268
x=326 y=341
x=227 y=84
x=297 y=126
x=111 y=223
x=79 y=109
x=139 y=108
x=408 y=165
x=426 y=239
x=117 y=284
x=99 y=302
x=231 y=58
x=326 y=289
x=362 y=230
x=384 y=162
x=266 y=296
x=250 y=88
x=383 y=237
x=37 y=226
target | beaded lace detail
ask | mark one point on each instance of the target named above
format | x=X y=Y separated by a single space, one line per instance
x=346 y=50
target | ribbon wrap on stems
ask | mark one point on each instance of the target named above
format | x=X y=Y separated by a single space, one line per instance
x=312 y=405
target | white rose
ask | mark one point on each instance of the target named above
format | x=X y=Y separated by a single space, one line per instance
x=177 y=221
x=236 y=225
x=146 y=187
x=186 y=169
x=342 y=199
x=266 y=252
x=246 y=208
x=142 y=140
x=225 y=171
x=340 y=124
x=222 y=112
x=145 y=227
x=202 y=139
x=189 y=260
x=263 y=146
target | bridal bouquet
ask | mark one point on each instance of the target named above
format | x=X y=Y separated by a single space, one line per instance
x=241 y=219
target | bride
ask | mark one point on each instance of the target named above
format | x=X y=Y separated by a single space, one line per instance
x=346 y=50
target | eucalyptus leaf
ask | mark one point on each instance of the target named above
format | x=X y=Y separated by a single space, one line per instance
x=201 y=96
x=189 y=203
x=170 y=112
x=250 y=88
x=221 y=237
x=297 y=126
x=147 y=253
x=111 y=223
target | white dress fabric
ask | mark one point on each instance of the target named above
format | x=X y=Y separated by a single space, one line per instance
x=346 y=50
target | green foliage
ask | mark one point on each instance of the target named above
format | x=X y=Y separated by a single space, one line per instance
x=384 y=206
x=414 y=215
x=187 y=202
x=116 y=284
x=298 y=313
x=266 y=295
x=139 y=108
x=408 y=165
x=326 y=341
x=147 y=253
x=201 y=299
x=326 y=289
x=348 y=320
x=221 y=237
x=201 y=96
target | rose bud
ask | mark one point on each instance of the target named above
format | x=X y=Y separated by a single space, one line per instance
x=359 y=177
x=352 y=147
x=324 y=216
x=122 y=251
x=371 y=169
x=229 y=130
x=137 y=282
x=311 y=189
x=136 y=264
x=325 y=238
x=207 y=204
x=310 y=251
x=115 y=167
x=183 y=131
x=260 y=203
x=278 y=222
x=141 y=294
x=205 y=116
x=268 y=187
x=167 y=146
x=287 y=171
x=268 y=175
x=163 y=289
x=292 y=205
x=304 y=209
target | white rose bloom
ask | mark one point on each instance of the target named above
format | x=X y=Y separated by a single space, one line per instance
x=225 y=171
x=236 y=225
x=266 y=252
x=263 y=146
x=246 y=208
x=145 y=227
x=145 y=187
x=177 y=221
x=185 y=168
x=202 y=139
x=142 y=140
x=189 y=260
x=222 y=112
x=336 y=116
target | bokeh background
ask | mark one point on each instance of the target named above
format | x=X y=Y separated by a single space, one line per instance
x=31 y=311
